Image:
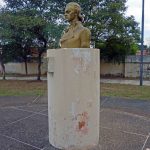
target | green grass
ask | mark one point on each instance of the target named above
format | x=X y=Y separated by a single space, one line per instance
x=31 y=88
x=22 y=88
x=125 y=91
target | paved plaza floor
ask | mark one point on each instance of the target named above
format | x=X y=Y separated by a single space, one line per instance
x=124 y=124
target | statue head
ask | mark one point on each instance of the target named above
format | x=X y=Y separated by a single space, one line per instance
x=73 y=12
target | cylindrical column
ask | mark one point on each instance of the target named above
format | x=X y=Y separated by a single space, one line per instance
x=73 y=97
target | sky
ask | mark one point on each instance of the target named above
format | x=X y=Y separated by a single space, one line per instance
x=135 y=9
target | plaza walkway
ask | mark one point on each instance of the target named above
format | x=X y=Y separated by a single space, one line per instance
x=124 y=124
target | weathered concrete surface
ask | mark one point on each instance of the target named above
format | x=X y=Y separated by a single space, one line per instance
x=73 y=97
x=125 y=124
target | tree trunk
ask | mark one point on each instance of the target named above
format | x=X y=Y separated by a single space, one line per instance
x=3 y=67
x=2 y=70
x=40 y=58
x=26 y=66
x=39 y=66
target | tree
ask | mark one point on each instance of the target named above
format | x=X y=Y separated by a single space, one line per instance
x=108 y=23
x=5 y=56
x=115 y=49
x=14 y=37
x=2 y=66
x=121 y=33
x=30 y=23
x=39 y=23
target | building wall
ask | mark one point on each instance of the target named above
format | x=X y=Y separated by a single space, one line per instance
x=19 y=68
x=132 y=66
x=111 y=69
x=133 y=70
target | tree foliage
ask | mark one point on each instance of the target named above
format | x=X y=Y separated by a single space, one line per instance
x=39 y=23
x=109 y=26
x=28 y=24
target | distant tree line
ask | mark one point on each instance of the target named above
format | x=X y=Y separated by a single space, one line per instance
x=39 y=23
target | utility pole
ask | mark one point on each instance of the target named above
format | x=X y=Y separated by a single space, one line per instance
x=142 y=45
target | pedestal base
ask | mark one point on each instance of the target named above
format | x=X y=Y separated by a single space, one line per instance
x=73 y=97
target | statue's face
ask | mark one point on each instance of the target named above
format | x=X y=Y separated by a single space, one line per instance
x=70 y=13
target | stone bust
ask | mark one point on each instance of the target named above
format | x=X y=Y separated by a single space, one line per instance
x=76 y=35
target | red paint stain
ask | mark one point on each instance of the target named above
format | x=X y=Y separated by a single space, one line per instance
x=81 y=125
x=82 y=120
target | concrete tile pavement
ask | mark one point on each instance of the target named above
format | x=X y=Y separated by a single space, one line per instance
x=24 y=126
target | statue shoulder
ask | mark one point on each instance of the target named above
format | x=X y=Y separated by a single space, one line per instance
x=86 y=31
x=66 y=29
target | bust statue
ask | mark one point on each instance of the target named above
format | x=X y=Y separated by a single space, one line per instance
x=75 y=35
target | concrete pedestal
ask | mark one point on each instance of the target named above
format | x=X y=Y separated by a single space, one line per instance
x=73 y=97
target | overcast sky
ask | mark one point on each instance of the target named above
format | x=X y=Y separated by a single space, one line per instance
x=135 y=9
